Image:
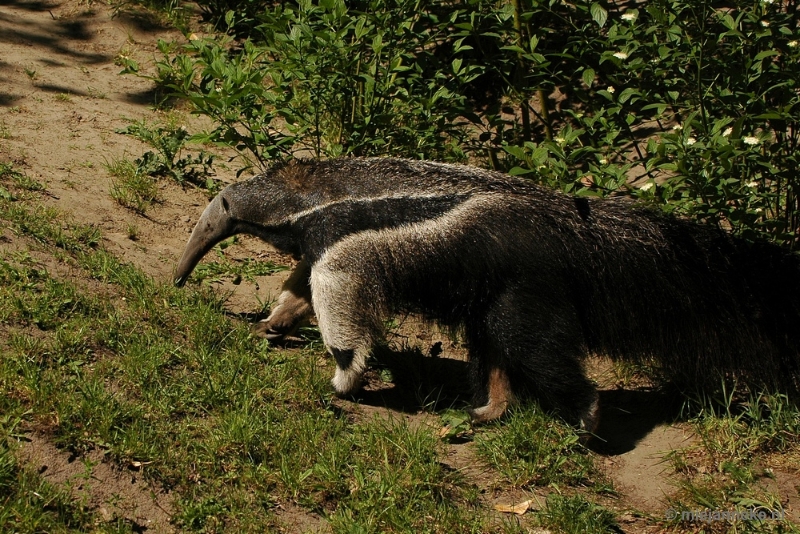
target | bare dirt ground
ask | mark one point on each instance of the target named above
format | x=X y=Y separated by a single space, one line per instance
x=61 y=99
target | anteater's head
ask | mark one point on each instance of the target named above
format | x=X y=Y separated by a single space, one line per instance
x=215 y=224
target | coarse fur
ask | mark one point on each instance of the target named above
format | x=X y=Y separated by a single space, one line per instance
x=536 y=279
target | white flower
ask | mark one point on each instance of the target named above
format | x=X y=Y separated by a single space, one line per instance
x=603 y=161
x=677 y=127
x=751 y=185
x=793 y=44
x=611 y=89
x=690 y=141
x=765 y=23
x=727 y=132
x=750 y=140
x=621 y=55
x=767 y=1
x=559 y=140
x=646 y=187
x=630 y=16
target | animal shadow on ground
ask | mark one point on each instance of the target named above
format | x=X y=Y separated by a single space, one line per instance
x=420 y=381
x=410 y=380
x=628 y=415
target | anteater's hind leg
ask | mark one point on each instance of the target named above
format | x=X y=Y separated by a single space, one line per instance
x=292 y=308
x=350 y=318
x=531 y=344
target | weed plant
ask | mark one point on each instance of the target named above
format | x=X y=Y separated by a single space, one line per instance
x=168 y=159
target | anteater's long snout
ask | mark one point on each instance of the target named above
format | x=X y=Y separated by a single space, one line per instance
x=215 y=224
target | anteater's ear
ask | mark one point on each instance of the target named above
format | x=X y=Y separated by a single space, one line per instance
x=225 y=205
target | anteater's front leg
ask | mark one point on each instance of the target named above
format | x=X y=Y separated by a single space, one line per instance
x=350 y=318
x=292 y=308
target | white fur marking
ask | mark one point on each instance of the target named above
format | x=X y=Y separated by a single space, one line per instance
x=299 y=215
x=346 y=380
x=337 y=285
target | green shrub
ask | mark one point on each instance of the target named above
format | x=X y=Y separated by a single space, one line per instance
x=681 y=103
x=325 y=80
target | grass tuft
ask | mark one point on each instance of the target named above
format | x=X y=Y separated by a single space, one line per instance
x=576 y=515
x=131 y=188
x=530 y=448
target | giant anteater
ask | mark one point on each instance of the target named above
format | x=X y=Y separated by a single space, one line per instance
x=537 y=279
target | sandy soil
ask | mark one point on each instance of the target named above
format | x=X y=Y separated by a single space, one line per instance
x=61 y=99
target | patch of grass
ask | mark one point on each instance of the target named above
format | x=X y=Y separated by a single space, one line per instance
x=63 y=97
x=49 y=300
x=576 y=515
x=5 y=170
x=153 y=374
x=25 y=182
x=160 y=12
x=530 y=448
x=131 y=188
x=734 y=488
x=29 y=504
x=132 y=231
x=237 y=270
x=741 y=425
x=5 y=132
x=18 y=180
x=742 y=434
x=95 y=93
x=397 y=483
x=46 y=225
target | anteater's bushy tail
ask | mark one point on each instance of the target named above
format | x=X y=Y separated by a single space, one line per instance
x=701 y=302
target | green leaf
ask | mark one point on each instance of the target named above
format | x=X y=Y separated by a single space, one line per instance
x=766 y=53
x=626 y=94
x=519 y=171
x=599 y=14
x=660 y=108
x=588 y=77
x=516 y=151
